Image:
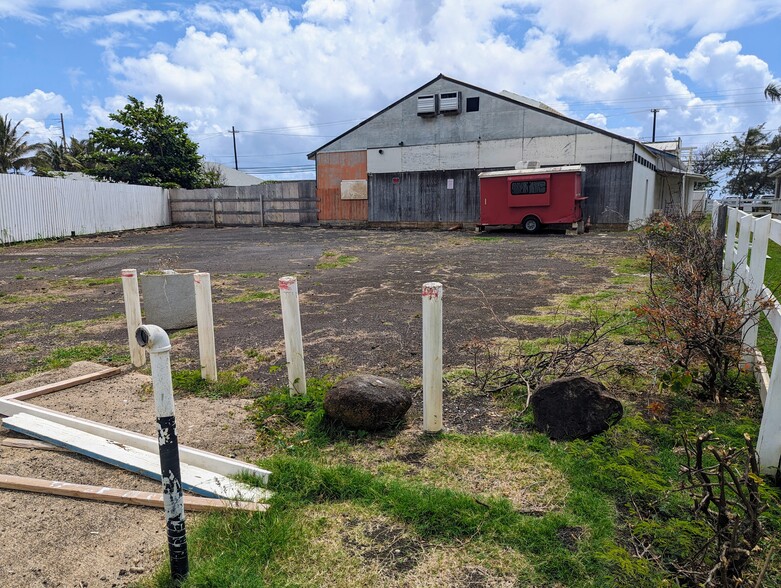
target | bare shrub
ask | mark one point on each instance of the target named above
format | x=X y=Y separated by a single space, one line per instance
x=693 y=311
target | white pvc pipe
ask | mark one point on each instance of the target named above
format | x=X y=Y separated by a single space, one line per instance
x=432 y=357
x=294 y=345
x=205 y=317
x=133 y=315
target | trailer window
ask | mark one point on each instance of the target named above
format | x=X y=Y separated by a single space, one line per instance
x=529 y=187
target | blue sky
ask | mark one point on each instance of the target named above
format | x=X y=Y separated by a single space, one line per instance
x=291 y=75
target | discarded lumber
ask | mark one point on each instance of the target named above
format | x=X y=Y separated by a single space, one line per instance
x=31 y=444
x=189 y=455
x=135 y=497
x=146 y=463
x=56 y=386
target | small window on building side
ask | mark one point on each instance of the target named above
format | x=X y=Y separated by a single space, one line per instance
x=528 y=187
x=473 y=104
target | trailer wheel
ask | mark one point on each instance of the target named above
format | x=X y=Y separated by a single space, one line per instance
x=531 y=224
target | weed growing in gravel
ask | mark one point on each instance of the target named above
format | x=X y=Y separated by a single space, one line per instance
x=333 y=260
x=254 y=296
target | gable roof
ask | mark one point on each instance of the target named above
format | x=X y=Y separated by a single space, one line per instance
x=508 y=97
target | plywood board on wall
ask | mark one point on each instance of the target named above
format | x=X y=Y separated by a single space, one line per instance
x=354 y=190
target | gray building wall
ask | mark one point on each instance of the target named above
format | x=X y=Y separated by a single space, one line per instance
x=423 y=197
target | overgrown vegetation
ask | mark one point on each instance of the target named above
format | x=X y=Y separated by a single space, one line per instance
x=692 y=311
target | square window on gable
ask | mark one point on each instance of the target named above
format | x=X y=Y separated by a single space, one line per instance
x=473 y=104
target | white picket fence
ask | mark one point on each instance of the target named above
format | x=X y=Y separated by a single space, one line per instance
x=39 y=208
x=745 y=233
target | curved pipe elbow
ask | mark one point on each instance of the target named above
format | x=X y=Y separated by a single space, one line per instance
x=153 y=338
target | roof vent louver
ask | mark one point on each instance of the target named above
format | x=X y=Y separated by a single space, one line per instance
x=450 y=102
x=427 y=105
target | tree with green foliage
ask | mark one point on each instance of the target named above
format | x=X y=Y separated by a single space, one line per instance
x=149 y=148
x=15 y=151
x=749 y=160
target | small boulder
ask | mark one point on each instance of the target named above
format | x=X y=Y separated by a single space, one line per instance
x=367 y=402
x=574 y=408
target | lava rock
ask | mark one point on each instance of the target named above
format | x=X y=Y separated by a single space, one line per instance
x=367 y=402
x=574 y=408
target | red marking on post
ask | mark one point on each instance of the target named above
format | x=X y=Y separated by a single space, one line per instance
x=197 y=280
x=431 y=291
x=128 y=274
x=286 y=284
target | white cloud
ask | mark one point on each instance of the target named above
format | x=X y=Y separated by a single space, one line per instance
x=636 y=23
x=143 y=19
x=38 y=112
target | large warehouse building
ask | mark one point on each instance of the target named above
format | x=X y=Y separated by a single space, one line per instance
x=416 y=163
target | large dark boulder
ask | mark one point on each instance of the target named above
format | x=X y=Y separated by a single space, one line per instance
x=367 y=402
x=574 y=408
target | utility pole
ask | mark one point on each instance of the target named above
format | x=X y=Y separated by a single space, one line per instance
x=235 y=155
x=653 y=133
x=62 y=126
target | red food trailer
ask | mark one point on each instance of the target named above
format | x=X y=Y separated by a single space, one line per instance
x=532 y=198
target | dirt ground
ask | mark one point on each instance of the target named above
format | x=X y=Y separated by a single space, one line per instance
x=360 y=312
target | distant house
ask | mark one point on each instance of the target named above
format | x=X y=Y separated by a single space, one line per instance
x=777 y=176
x=417 y=161
x=233 y=177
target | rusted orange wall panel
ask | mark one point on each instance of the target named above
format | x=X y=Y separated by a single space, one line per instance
x=332 y=168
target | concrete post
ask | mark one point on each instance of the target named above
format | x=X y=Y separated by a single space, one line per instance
x=133 y=315
x=205 y=317
x=432 y=357
x=294 y=345
x=156 y=340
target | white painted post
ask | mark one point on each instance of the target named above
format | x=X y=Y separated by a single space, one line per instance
x=205 y=318
x=729 y=241
x=133 y=315
x=294 y=345
x=769 y=441
x=757 y=273
x=432 y=357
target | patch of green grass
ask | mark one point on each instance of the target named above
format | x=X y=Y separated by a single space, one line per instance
x=334 y=260
x=228 y=384
x=6 y=298
x=19 y=277
x=251 y=275
x=254 y=296
x=274 y=413
x=631 y=265
x=487 y=239
x=65 y=356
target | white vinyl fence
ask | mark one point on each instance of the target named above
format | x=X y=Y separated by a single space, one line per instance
x=753 y=235
x=39 y=208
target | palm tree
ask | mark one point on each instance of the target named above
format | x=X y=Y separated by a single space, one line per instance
x=14 y=150
x=53 y=156
x=773 y=92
